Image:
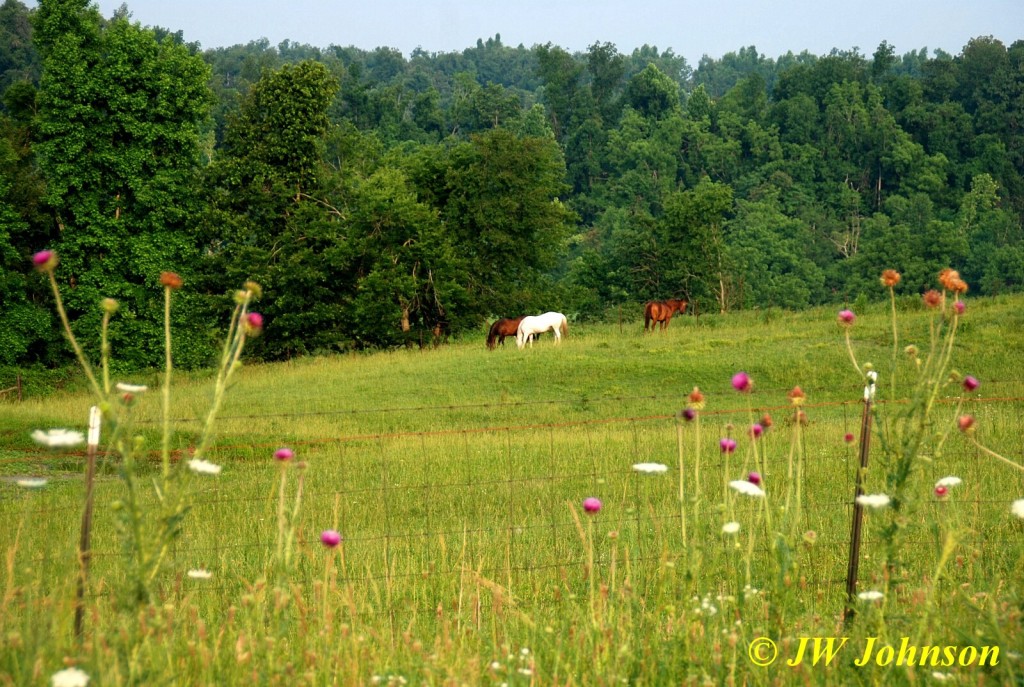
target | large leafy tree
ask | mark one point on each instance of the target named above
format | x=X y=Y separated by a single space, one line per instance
x=503 y=208
x=268 y=217
x=117 y=133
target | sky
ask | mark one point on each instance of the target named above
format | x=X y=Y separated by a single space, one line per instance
x=691 y=28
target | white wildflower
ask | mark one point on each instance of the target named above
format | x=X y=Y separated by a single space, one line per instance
x=55 y=438
x=941 y=677
x=203 y=467
x=650 y=468
x=1018 y=508
x=69 y=677
x=950 y=481
x=870 y=595
x=200 y=574
x=730 y=528
x=131 y=388
x=748 y=488
x=31 y=482
x=874 y=500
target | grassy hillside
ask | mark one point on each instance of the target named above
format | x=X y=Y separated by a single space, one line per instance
x=456 y=477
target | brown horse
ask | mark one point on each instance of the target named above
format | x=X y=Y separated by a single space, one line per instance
x=502 y=328
x=661 y=311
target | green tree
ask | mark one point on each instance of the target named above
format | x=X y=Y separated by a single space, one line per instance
x=694 y=243
x=501 y=202
x=652 y=93
x=269 y=218
x=117 y=139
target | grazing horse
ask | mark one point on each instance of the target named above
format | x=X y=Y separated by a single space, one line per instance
x=661 y=311
x=538 y=324
x=507 y=326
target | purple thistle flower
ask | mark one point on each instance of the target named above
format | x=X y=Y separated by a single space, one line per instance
x=284 y=454
x=727 y=445
x=689 y=414
x=45 y=260
x=960 y=306
x=741 y=381
x=591 y=504
x=756 y=430
x=848 y=438
x=330 y=538
x=971 y=383
x=846 y=317
x=754 y=478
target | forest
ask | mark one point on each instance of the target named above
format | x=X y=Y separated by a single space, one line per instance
x=378 y=198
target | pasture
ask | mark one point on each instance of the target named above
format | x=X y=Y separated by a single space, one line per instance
x=456 y=476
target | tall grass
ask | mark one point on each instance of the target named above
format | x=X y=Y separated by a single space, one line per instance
x=455 y=476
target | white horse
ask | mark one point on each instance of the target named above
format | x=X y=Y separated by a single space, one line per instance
x=534 y=325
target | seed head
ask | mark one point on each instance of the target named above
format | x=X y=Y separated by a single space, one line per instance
x=696 y=399
x=170 y=280
x=890 y=278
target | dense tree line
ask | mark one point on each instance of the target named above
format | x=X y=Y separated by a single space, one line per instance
x=381 y=198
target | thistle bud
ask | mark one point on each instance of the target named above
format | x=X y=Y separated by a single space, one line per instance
x=254 y=289
x=45 y=260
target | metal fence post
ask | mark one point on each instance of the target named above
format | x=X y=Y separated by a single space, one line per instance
x=858 y=509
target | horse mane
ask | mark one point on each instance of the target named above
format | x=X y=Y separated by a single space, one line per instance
x=492 y=334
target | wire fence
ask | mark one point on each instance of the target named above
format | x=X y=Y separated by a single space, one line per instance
x=421 y=510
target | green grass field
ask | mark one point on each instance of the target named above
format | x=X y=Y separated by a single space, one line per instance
x=456 y=477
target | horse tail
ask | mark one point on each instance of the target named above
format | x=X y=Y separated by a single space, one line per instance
x=564 y=327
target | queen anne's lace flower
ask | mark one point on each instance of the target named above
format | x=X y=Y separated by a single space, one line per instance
x=874 y=500
x=70 y=677
x=55 y=438
x=650 y=468
x=748 y=488
x=204 y=467
x=131 y=388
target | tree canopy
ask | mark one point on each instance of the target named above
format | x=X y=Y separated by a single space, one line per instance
x=381 y=198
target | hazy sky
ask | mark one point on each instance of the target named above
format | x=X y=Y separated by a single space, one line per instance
x=692 y=28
